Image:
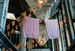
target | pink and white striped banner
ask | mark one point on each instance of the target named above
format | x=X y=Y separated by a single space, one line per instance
x=52 y=29
x=31 y=28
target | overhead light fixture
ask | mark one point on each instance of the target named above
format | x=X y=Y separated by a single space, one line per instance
x=40 y=1
x=11 y=16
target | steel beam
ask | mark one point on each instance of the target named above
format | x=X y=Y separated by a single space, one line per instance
x=69 y=18
x=55 y=7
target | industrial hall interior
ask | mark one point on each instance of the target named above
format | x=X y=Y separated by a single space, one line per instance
x=37 y=25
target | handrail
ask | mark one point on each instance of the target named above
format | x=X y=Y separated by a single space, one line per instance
x=7 y=41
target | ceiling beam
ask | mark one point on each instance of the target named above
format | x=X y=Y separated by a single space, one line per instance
x=18 y=6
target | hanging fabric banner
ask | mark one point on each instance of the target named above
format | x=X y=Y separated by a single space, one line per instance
x=37 y=4
x=45 y=1
x=52 y=5
x=8 y=27
x=16 y=27
x=29 y=15
x=34 y=11
x=20 y=24
x=13 y=23
x=52 y=29
x=8 y=33
x=30 y=9
x=36 y=45
x=40 y=6
x=12 y=31
x=24 y=14
x=18 y=19
x=31 y=28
